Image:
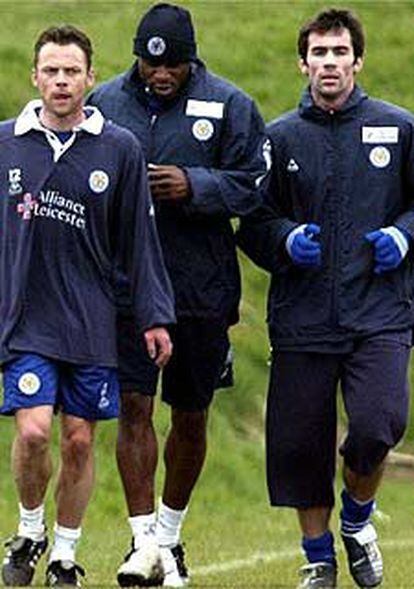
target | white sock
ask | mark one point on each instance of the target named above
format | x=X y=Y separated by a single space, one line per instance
x=143 y=528
x=169 y=524
x=64 y=543
x=32 y=523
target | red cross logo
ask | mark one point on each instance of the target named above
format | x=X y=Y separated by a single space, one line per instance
x=26 y=207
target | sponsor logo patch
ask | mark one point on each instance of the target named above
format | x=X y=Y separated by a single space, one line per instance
x=52 y=205
x=380 y=135
x=29 y=383
x=204 y=108
x=203 y=129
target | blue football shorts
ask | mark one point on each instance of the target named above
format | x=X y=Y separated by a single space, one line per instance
x=89 y=392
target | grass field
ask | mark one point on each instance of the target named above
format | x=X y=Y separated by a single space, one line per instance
x=233 y=538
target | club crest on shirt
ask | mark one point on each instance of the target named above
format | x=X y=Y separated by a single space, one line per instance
x=29 y=383
x=98 y=181
x=203 y=129
x=156 y=46
x=380 y=156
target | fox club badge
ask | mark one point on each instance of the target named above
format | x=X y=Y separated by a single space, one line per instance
x=156 y=46
x=29 y=383
x=380 y=156
x=203 y=129
x=98 y=181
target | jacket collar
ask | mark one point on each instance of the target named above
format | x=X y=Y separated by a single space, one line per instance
x=309 y=110
x=28 y=120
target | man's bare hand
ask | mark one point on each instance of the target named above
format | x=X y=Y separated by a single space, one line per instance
x=168 y=183
x=159 y=345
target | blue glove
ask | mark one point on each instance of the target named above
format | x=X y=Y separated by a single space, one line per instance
x=302 y=248
x=390 y=248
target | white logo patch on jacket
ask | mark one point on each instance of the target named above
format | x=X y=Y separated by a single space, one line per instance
x=380 y=135
x=203 y=129
x=380 y=156
x=204 y=108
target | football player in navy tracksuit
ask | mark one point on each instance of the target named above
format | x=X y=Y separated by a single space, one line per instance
x=204 y=143
x=336 y=234
x=75 y=207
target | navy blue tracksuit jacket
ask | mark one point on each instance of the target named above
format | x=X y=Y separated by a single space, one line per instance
x=215 y=133
x=351 y=172
x=67 y=219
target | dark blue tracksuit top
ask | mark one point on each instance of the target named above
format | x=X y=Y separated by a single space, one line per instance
x=351 y=172
x=215 y=133
x=66 y=219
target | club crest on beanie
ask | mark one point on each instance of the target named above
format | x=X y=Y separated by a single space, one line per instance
x=165 y=34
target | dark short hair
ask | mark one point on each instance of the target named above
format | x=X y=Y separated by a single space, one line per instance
x=332 y=20
x=64 y=35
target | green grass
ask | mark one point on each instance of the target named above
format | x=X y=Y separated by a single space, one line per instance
x=230 y=522
x=253 y=44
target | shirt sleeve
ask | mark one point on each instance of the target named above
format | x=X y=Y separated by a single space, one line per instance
x=405 y=221
x=231 y=189
x=262 y=234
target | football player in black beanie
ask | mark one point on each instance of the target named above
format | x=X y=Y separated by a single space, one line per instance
x=204 y=142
